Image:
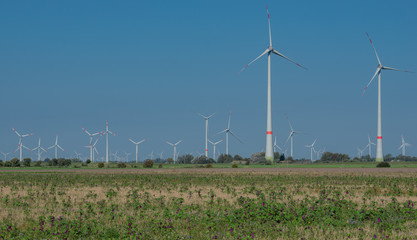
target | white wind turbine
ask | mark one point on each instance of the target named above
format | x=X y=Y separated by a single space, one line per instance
x=206 y=118
x=311 y=149
x=56 y=146
x=20 y=146
x=93 y=148
x=137 y=147
x=175 y=148
x=403 y=145
x=5 y=155
x=107 y=140
x=369 y=146
x=77 y=155
x=291 y=137
x=39 y=148
x=91 y=141
x=214 y=148
x=269 y=154
x=227 y=131
x=276 y=145
x=360 y=152
x=379 y=153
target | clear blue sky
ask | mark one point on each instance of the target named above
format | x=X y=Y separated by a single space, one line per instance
x=148 y=67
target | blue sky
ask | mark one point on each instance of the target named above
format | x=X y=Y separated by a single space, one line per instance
x=148 y=67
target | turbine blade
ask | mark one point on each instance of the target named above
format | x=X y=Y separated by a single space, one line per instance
x=27 y=135
x=228 y=124
x=376 y=54
x=132 y=141
x=142 y=141
x=222 y=131
x=292 y=130
x=14 y=130
x=211 y=142
x=235 y=137
x=169 y=143
x=86 y=131
x=60 y=148
x=269 y=25
x=265 y=52
x=281 y=55
x=178 y=142
x=394 y=69
x=378 y=70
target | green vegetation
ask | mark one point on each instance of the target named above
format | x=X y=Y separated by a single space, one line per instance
x=199 y=205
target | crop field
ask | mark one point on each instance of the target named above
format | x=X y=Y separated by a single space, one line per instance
x=209 y=203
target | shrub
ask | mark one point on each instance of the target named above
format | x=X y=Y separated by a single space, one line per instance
x=148 y=164
x=38 y=163
x=15 y=162
x=121 y=165
x=26 y=162
x=209 y=165
x=101 y=165
x=84 y=164
x=234 y=165
x=160 y=165
x=7 y=164
x=383 y=164
x=88 y=161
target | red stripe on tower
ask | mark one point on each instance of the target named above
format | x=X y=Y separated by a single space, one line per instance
x=379 y=137
x=206 y=150
x=269 y=132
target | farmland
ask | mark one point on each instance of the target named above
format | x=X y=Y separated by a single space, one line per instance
x=215 y=203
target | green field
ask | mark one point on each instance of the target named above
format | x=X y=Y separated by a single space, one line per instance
x=267 y=202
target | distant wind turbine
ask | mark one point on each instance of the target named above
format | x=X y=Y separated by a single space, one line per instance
x=369 y=146
x=39 y=148
x=175 y=148
x=107 y=140
x=56 y=146
x=311 y=149
x=93 y=148
x=276 y=145
x=269 y=153
x=206 y=118
x=91 y=141
x=403 y=145
x=20 y=146
x=360 y=151
x=227 y=131
x=5 y=155
x=137 y=146
x=379 y=153
x=291 y=137
x=214 y=148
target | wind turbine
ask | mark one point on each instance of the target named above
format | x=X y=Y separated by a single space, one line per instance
x=291 y=136
x=20 y=146
x=107 y=140
x=175 y=148
x=127 y=156
x=137 y=147
x=369 y=146
x=403 y=145
x=227 y=131
x=91 y=141
x=360 y=152
x=5 y=155
x=151 y=155
x=311 y=149
x=276 y=145
x=214 y=148
x=56 y=146
x=77 y=155
x=269 y=153
x=206 y=118
x=379 y=154
x=93 y=147
x=39 y=148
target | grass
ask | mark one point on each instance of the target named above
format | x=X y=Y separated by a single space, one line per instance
x=209 y=204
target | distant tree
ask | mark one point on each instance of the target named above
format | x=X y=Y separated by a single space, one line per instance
x=1 y=163
x=237 y=158
x=204 y=160
x=15 y=162
x=185 y=159
x=26 y=162
x=277 y=156
x=282 y=158
x=8 y=163
x=38 y=163
x=88 y=161
x=334 y=157
x=148 y=164
x=100 y=165
x=225 y=158
x=170 y=160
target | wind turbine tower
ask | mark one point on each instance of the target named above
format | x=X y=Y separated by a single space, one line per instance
x=291 y=137
x=206 y=118
x=379 y=153
x=20 y=146
x=137 y=147
x=269 y=152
